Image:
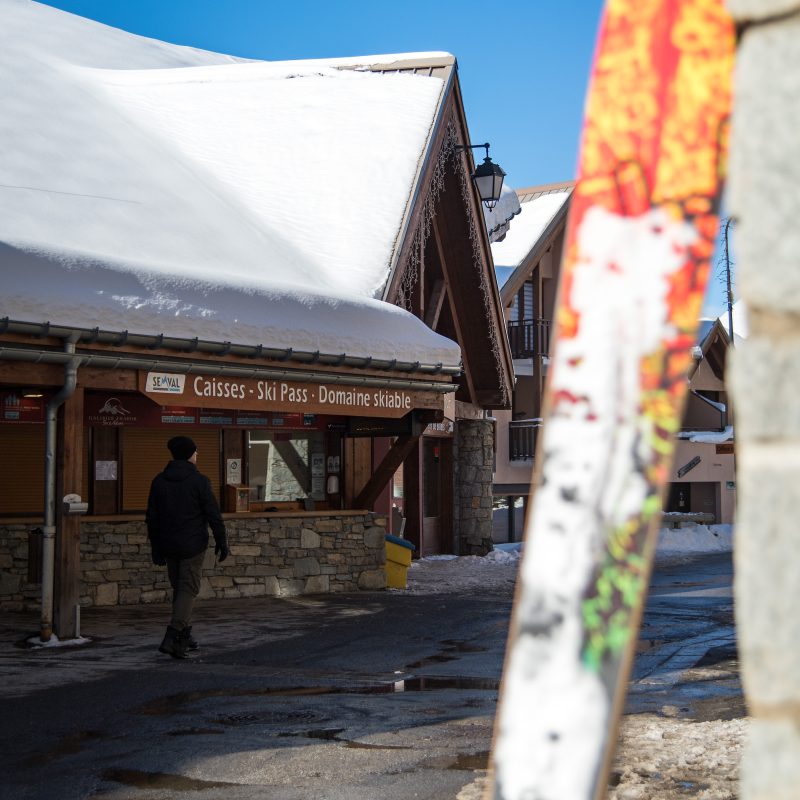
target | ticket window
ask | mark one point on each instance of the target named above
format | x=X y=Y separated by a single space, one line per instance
x=293 y=467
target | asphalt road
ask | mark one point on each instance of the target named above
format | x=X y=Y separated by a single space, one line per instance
x=369 y=695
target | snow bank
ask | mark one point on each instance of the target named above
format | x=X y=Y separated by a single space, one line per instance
x=159 y=188
x=695 y=538
x=526 y=229
x=54 y=641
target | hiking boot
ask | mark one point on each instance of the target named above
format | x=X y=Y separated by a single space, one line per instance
x=172 y=644
x=187 y=640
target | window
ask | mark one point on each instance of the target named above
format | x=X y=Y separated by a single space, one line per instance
x=288 y=466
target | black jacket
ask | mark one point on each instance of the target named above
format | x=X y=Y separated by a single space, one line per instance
x=180 y=509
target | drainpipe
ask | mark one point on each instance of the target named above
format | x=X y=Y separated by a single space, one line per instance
x=49 y=527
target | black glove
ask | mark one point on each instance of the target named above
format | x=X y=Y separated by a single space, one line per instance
x=222 y=551
x=158 y=559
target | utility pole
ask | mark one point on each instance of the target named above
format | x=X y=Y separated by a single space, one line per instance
x=727 y=258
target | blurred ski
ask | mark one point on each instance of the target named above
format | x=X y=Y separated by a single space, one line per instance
x=641 y=233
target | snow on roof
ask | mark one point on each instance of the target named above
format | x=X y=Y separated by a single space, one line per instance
x=498 y=219
x=166 y=189
x=525 y=232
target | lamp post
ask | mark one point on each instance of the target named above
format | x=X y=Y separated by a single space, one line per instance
x=488 y=177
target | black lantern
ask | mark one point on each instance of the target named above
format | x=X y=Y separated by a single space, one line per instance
x=488 y=177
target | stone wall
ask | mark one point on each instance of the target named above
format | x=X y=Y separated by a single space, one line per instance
x=764 y=197
x=475 y=456
x=276 y=556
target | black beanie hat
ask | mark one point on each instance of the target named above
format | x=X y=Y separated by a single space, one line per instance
x=181 y=447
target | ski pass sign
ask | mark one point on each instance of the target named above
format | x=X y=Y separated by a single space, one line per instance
x=165 y=382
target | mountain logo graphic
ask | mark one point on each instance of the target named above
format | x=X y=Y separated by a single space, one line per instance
x=113 y=406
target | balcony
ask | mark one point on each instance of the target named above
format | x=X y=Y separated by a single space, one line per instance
x=522 y=436
x=529 y=338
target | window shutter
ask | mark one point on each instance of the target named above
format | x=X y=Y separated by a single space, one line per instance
x=22 y=486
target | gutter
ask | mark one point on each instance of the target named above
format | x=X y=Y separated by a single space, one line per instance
x=184 y=367
x=89 y=336
x=72 y=363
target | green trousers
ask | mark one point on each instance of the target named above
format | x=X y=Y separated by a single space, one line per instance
x=184 y=575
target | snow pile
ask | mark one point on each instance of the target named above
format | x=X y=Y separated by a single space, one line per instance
x=666 y=758
x=526 y=230
x=164 y=189
x=54 y=641
x=708 y=437
x=694 y=538
x=498 y=219
x=497 y=571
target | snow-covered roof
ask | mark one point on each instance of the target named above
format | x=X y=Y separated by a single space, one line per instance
x=498 y=219
x=526 y=230
x=163 y=189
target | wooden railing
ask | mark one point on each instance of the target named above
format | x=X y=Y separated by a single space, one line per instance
x=522 y=436
x=529 y=338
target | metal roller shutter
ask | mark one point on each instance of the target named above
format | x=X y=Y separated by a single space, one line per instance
x=145 y=454
x=22 y=484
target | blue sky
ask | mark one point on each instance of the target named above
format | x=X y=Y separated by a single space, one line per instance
x=523 y=64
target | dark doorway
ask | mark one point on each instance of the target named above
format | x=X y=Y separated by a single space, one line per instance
x=679 y=498
x=431 y=496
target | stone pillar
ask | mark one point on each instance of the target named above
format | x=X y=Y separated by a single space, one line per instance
x=474 y=487
x=764 y=197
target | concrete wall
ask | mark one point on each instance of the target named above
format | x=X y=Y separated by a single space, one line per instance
x=712 y=468
x=475 y=454
x=764 y=197
x=269 y=556
x=508 y=471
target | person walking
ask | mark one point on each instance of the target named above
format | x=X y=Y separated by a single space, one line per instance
x=180 y=508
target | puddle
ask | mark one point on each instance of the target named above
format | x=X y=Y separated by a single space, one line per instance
x=172 y=704
x=193 y=732
x=367 y=746
x=326 y=734
x=459 y=646
x=438 y=659
x=68 y=746
x=161 y=780
x=643 y=645
x=436 y=684
x=463 y=761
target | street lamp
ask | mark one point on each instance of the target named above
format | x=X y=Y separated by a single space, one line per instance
x=488 y=177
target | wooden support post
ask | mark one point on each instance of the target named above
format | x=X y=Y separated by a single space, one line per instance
x=449 y=288
x=68 y=528
x=382 y=475
x=512 y=521
x=357 y=468
x=412 y=497
x=435 y=305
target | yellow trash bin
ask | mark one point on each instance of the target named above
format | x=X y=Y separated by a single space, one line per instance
x=398 y=560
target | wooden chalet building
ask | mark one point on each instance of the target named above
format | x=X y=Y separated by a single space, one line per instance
x=328 y=361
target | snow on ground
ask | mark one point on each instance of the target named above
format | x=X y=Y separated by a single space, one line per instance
x=693 y=538
x=54 y=641
x=444 y=574
x=169 y=190
x=660 y=758
x=526 y=229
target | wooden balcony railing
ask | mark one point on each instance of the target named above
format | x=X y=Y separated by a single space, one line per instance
x=522 y=436
x=529 y=338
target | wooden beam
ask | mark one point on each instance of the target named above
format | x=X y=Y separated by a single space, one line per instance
x=381 y=476
x=449 y=288
x=435 y=304
x=68 y=528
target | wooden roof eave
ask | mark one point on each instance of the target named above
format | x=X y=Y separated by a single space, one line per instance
x=488 y=263
x=424 y=165
x=519 y=275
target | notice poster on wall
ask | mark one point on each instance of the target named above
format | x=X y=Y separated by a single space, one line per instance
x=22 y=410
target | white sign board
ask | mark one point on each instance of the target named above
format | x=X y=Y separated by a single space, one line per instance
x=234 y=471
x=165 y=382
x=105 y=470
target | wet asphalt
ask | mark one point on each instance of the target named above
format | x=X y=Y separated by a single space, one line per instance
x=360 y=696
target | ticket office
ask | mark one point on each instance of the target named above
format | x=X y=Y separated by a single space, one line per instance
x=289 y=461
